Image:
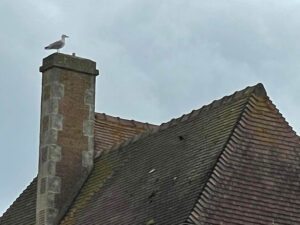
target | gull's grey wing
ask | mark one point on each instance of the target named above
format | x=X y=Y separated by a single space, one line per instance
x=55 y=45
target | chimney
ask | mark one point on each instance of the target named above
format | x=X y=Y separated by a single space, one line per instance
x=66 y=133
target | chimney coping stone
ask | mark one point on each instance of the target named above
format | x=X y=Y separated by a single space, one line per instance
x=69 y=62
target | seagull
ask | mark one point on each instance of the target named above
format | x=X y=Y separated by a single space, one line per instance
x=58 y=44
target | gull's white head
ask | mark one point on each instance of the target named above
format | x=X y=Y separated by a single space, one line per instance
x=64 y=36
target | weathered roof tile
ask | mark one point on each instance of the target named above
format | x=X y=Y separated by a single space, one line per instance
x=234 y=161
x=111 y=130
x=186 y=150
x=22 y=210
x=256 y=178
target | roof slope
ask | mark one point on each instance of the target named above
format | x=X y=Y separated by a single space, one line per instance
x=109 y=130
x=257 y=177
x=157 y=178
x=22 y=211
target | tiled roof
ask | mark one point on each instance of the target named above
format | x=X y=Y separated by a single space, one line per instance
x=22 y=211
x=234 y=161
x=156 y=178
x=109 y=130
x=257 y=177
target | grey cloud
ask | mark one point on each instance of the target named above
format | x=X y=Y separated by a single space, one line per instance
x=157 y=59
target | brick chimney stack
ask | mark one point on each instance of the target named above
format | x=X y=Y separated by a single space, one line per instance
x=66 y=133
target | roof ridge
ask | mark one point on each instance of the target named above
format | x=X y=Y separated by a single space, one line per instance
x=118 y=161
x=127 y=122
x=257 y=89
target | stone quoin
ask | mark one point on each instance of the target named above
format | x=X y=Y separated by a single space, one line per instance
x=233 y=161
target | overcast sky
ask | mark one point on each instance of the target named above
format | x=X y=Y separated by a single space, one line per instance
x=158 y=59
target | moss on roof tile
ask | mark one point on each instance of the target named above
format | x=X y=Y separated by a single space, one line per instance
x=158 y=176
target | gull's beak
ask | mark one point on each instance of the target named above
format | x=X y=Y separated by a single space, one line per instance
x=67 y=36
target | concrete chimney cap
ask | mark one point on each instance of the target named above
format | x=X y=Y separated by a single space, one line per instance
x=69 y=62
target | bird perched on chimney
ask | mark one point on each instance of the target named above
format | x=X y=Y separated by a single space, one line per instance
x=58 y=44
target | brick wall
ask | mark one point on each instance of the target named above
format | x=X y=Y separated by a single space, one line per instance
x=66 y=133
